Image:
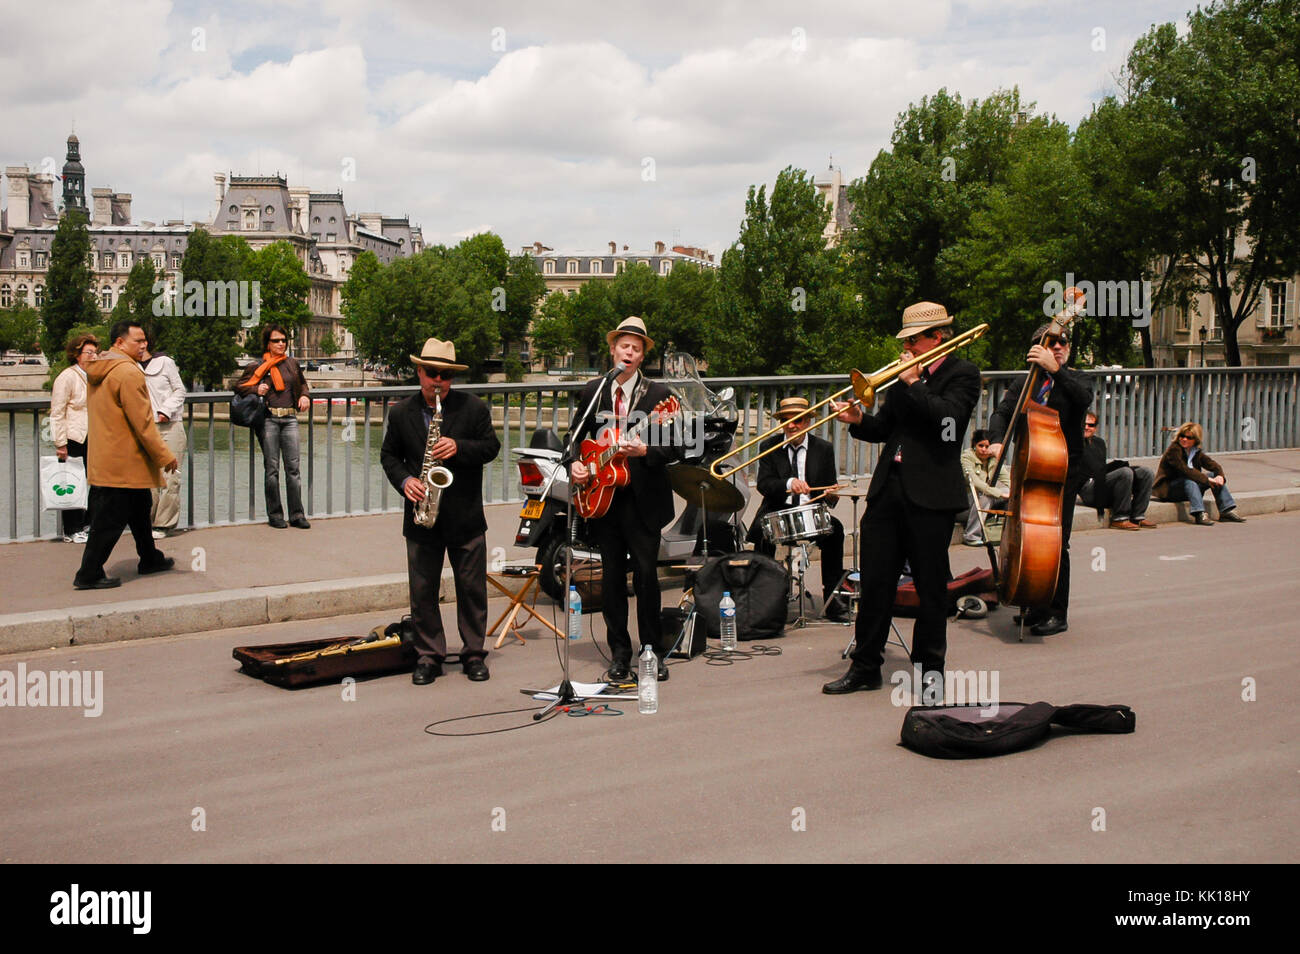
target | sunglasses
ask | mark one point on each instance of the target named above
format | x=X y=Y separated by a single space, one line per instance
x=1092 y=424
x=913 y=339
x=437 y=374
x=279 y=341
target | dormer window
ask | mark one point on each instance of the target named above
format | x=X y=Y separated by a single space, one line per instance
x=595 y=266
x=124 y=260
x=572 y=266
x=548 y=267
x=24 y=260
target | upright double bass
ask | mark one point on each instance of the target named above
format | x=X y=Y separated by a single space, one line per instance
x=1029 y=558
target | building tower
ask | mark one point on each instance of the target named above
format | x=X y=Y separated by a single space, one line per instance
x=74 y=177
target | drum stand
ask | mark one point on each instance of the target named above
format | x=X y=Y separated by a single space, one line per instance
x=801 y=620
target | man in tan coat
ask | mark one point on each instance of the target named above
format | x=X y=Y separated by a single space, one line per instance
x=125 y=460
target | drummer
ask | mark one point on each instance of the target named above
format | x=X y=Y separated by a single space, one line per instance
x=792 y=478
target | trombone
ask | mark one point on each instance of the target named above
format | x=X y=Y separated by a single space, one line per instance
x=864 y=390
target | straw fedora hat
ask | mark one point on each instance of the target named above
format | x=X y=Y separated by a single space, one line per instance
x=923 y=316
x=632 y=325
x=789 y=407
x=438 y=354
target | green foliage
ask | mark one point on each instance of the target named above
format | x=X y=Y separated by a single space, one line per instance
x=204 y=346
x=687 y=305
x=552 y=330
x=20 y=329
x=69 y=284
x=781 y=301
x=137 y=299
x=283 y=285
x=591 y=316
x=328 y=344
x=440 y=293
x=524 y=286
x=514 y=369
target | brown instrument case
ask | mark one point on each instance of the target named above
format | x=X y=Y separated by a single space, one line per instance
x=290 y=665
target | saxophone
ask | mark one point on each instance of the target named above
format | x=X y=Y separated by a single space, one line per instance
x=434 y=477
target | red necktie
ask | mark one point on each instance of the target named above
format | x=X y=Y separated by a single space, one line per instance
x=620 y=409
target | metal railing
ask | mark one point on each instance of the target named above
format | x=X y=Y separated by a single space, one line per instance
x=341 y=435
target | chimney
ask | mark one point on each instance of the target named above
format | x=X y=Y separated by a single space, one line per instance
x=659 y=248
x=219 y=181
x=46 y=186
x=18 y=201
x=101 y=212
x=299 y=203
x=537 y=248
x=613 y=248
x=122 y=208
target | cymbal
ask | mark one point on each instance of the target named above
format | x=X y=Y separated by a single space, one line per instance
x=698 y=486
x=851 y=492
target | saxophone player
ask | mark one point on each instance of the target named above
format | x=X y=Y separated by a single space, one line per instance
x=442 y=428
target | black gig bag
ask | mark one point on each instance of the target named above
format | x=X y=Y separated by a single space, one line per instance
x=757 y=584
x=974 y=731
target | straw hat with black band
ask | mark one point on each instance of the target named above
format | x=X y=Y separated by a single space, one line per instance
x=631 y=325
x=923 y=316
x=439 y=355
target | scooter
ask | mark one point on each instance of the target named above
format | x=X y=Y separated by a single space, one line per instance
x=545 y=485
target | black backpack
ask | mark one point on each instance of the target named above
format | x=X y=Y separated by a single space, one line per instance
x=758 y=586
x=975 y=731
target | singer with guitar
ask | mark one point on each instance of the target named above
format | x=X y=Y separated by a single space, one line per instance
x=638 y=511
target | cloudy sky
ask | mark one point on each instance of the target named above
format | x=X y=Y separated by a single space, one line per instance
x=571 y=122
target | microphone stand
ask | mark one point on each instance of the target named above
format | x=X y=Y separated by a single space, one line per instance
x=565 y=694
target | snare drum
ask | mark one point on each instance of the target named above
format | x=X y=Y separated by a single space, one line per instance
x=783 y=527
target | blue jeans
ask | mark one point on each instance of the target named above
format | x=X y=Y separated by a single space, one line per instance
x=279 y=438
x=1190 y=491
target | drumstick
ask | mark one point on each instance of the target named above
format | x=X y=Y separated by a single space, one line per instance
x=825 y=490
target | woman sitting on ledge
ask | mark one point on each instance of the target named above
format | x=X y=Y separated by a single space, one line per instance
x=1182 y=476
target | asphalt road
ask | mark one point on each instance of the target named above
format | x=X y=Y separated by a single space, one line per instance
x=191 y=761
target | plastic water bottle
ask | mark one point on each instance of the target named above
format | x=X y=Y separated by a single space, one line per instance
x=728 y=610
x=647 y=686
x=575 y=613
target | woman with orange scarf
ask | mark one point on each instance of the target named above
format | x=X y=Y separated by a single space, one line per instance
x=280 y=382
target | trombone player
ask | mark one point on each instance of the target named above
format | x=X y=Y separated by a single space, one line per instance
x=915 y=493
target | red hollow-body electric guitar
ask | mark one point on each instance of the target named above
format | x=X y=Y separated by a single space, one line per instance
x=608 y=464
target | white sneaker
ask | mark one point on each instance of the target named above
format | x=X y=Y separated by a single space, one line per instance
x=81 y=536
x=160 y=534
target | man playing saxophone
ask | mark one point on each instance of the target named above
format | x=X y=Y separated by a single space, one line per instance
x=428 y=433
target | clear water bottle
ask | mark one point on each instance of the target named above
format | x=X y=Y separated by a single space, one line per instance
x=728 y=628
x=575 y=613
x=647 y=686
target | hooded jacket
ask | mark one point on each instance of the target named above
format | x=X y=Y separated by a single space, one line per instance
x=128 y=449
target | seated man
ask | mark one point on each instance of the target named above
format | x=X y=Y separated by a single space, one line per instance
x=1181 y=476
x=977 y=463
x=1124 y=489
x=786 y=479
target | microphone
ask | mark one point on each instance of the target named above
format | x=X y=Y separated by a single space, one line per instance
x=617 y=370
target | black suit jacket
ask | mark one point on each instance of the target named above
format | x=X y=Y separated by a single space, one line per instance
x=928 y=420
x=648 y=475
x=1070 y=398
x=774 y=471
x=1092 y=466
x=467 y=420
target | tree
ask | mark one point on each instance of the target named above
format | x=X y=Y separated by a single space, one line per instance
x=524 y=287
x=203 y=341
x=591 y=317
x=328 y=344
x=359 y=307
x=552 y=331
x=688 y=302
x=69 y=284
x=137 y=299
x=781 y=295
x=1224 y=100
x=20 y=329
x=282 y=287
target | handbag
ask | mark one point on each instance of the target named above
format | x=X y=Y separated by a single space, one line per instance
x=247 y=410
x=63 y=483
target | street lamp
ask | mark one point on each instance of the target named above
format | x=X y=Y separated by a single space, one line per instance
x=1203 y=333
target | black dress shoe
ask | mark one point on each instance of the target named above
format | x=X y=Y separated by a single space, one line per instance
x=476 y=669
x=426 y=670
x=1231 y=516
x=300 y=522
x=277 y=522
x=662 y=673
x=103 y=583
x=857 y=679
x=1202 y=519
x=1050 y=626
x=156 y=566
x=836 y=611
x=618 y=673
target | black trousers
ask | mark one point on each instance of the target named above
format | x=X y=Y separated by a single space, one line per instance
x=832 y=546
x=1061 y=598
x=622 y=535
x=895 y=530
x=424 y=574
x=112 y=509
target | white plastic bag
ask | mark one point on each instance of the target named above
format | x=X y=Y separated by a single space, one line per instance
x=63 y=483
